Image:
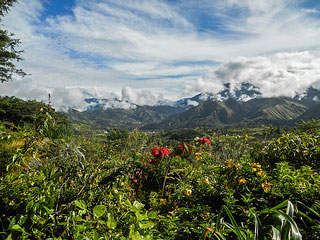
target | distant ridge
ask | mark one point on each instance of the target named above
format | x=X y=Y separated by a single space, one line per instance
x=221 y=110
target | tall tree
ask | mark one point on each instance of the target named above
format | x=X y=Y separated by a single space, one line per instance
x=8 y=53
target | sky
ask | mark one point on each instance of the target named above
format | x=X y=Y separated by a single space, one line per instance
x=145 y=51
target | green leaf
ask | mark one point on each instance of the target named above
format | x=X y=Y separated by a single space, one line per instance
x=99 y=210
x=290 y=209
x=111 y=223
x=140 y=216
x=16 y=227
x=138 y=205
x=127 y=203
x=81 y=204
x=79 y=219
x=95 y=235
x=146 y=225
x=153 y=215
x=257 y=228
x=101 y=222
x=275 y=234
x=281 y=205
x=295 y=233
x=234 y=227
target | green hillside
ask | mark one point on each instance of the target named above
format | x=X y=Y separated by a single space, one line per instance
x=124 y=118
x=217 y=114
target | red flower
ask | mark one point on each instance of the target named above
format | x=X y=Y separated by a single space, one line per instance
x=182 y=147
x=205 y=140
x=155 y=151
x=164 y=152
x=160 y=152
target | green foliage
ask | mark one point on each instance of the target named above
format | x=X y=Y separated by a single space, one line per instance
x=56 y=185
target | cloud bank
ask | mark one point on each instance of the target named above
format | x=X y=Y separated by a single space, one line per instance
x=282 y=74
x=165 y=46
x=63 y=98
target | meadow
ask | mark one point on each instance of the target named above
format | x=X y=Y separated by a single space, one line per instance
x=64 y=181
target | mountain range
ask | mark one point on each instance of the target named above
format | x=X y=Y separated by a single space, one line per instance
x=225 y=109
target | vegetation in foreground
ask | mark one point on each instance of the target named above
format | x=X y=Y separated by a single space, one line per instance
x=57 y=184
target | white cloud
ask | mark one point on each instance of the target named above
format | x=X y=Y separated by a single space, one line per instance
x=75 y=97
x=111 y=44
x=311 y=10
x=281 y=74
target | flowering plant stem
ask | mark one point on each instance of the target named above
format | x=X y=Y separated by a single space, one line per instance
x=165 y=176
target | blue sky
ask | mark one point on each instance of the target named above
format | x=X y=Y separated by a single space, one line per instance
x=147 y=50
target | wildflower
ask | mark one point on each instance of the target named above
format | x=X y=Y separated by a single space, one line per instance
x=188 y=192
x=12 y=203
x=230 y=163
x=160 y=152
x=205 y=141
x=242 y=181
x=237 y=165
x=206 y=181
x=163 y=201
x=31 y=183
x=257 y=165
x=266 y=186
x=206 y=215
x=255 y=169
x=198 y=156
x=260 y=173
x=155 y=151
x=115 y=191
x=183 y=148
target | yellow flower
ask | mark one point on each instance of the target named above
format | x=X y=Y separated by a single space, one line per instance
x=206 y=181
x=198 y=153
x=237 y=166
x=115 y=191
x=198 y=158
x=255 y=169
x=257 y=165
x=31 y=183
x=266 y=186
x=242 y=181
x=11 y=203
x=163 y=201
x=230 y=163
x=260 y=173
x=188 y=192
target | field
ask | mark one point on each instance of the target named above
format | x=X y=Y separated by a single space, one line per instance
x=63 y=181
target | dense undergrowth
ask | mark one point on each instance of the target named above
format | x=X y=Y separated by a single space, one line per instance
x=57 y=182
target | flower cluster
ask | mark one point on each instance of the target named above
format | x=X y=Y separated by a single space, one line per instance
x=183 y=149
x=205 y=141
x=159 y=152
x=257 y=169
x=266 y=186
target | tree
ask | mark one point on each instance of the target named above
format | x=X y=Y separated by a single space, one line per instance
x=8 y=44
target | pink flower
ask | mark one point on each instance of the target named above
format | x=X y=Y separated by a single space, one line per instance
x=205 y=141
